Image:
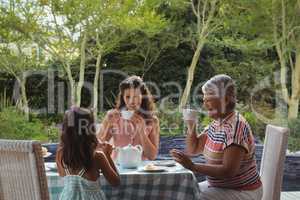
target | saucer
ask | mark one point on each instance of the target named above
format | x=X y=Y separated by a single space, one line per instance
x=47 y=154
x=152 y=169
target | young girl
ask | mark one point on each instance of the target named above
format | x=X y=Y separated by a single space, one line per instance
x=80 y=158
x=227 y=145
x=142 y=128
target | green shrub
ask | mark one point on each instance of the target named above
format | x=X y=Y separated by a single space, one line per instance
x=50 y=122
x=294 y=126
x=5 y=101
x=294 y=137
x=52 y=133
x=13 y=125
x=171 y=123
x=293 y=144
x=251 y=119
x=258 y=127
x=204 y=121
x=50 y=119
x=101 y=116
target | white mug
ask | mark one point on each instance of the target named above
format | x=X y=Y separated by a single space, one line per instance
x=127 y=114
x=189 y=114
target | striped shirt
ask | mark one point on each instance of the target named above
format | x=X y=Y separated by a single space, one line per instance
x=234 y=129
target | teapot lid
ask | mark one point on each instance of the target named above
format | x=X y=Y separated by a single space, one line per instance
x=128 y=146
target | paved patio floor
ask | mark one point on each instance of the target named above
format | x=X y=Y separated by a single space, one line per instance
x=290 y=195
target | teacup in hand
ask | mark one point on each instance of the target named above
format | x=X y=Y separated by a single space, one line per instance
x=189 y=114
x=127 y=114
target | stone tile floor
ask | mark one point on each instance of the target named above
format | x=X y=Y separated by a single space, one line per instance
x=290 y=196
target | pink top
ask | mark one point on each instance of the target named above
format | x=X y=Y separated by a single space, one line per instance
x=124 y=132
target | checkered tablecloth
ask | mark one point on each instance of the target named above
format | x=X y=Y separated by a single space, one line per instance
x=176 y=183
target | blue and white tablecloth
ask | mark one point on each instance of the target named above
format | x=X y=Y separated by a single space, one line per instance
x=175 y=183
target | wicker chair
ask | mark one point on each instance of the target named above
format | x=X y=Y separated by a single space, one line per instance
x=272 y=165
x=22 y=171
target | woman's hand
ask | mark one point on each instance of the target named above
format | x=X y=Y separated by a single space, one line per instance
x=113 y=116
x=182 y=158
x=191 y=124
x=136 y=118
x=140 y=124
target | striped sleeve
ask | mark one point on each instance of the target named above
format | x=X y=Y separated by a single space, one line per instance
x=239 y=135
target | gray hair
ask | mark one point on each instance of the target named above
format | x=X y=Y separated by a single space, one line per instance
x=222 y=86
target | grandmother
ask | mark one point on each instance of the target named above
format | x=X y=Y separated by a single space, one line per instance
x=227 y=145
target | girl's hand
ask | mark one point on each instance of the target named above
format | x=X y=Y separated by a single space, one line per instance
x=105 y=147
x=182 y=158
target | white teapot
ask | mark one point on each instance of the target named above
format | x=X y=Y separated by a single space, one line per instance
x=129 y=156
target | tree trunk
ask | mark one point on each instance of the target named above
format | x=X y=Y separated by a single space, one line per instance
x=96 y=85
x=24 y=100
x=294 y=100
x=293 y=108
x=281 y=109
x=81 y=71
x=190 y=78
x=72 y=84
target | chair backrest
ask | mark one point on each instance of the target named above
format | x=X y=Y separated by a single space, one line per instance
x=22 y=171
x=272 y=163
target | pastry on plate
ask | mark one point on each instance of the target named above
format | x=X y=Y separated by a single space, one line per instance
x=150 y=167
x=44 y=151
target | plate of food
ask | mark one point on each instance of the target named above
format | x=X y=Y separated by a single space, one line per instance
x=152 y=168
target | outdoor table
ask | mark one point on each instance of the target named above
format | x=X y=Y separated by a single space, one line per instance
x=175 y=183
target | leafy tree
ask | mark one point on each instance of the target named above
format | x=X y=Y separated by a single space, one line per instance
x=65 y=28
x=114 y=22
x=275 y=25
x=18 y=54
x=207 y=13
x=286 y=36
